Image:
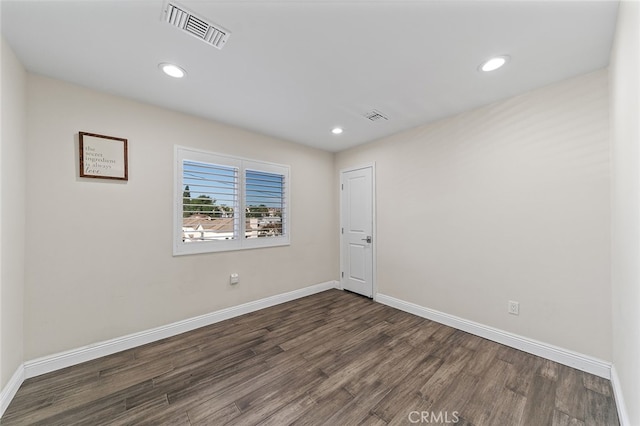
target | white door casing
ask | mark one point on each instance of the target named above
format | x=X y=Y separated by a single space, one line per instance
x=357 y=224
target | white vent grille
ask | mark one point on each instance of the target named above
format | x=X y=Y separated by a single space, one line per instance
x=375 y=115
x=181 y=18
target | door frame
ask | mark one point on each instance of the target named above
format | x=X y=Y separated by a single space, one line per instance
x=374 y=236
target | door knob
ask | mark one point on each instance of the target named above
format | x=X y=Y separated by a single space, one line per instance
x=368 y=239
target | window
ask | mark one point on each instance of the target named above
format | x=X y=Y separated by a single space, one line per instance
x=228 y=203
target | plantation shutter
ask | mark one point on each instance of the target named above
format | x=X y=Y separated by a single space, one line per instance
x=209 y=202
x=265 y=203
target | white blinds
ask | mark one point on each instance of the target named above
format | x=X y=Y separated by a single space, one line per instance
x=209 y=201
x=265 y=203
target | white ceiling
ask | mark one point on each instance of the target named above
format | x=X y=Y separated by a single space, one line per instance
x=295 y=69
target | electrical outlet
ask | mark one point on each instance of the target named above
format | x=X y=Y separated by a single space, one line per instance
x=513 y=307
x=234 y=279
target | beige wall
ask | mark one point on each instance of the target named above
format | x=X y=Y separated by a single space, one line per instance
x=506 y=202
x=12 y=210
x=100 y=260
x=625 y=137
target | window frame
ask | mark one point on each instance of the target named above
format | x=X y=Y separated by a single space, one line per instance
x=240 y=242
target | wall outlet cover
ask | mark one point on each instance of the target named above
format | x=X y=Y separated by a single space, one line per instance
x=513 y=307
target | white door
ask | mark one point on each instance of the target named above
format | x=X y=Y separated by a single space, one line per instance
x=356 y=205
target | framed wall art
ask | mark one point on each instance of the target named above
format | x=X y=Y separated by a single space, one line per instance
x=103 y=157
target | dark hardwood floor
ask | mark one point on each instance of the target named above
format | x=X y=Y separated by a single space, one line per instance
x=333 y=358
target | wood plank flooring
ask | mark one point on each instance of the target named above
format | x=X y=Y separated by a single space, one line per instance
x=333 y=358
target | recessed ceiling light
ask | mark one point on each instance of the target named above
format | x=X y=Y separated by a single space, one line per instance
x=336 y=130
x=172 y=70
x=494 y=63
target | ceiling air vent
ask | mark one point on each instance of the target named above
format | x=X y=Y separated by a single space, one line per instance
x=182 y=18
x=375 y=115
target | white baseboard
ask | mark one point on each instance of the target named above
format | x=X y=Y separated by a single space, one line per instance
x=9 y=391
x=76 y=356
x=61 y=360
x=623 y=415
x=563 y=356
